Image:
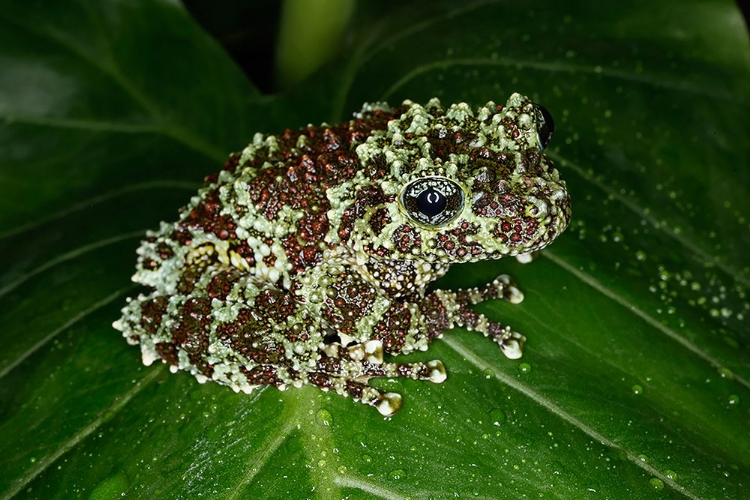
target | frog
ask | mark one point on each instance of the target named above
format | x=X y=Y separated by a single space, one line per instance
x=309 y=258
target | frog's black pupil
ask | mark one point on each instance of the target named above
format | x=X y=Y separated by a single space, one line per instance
x=547 y=128
x=431 y=202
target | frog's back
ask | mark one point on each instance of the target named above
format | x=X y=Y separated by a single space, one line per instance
x=265 y=213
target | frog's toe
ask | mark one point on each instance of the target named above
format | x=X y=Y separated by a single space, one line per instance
x=387 y=403
x=370 y=351
x=502 y=287
x=507 y=289
x=511 y=343
x=437 y=371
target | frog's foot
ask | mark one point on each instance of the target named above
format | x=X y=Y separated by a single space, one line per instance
x=510 y=342
x=501 y=287
x=347 y=370
x=387 y=403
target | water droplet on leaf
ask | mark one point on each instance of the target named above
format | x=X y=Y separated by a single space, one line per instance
x=323 y=417
x=397 y=475
x=498 y=417
x=656 y=483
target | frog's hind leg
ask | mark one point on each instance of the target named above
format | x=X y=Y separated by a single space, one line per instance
x=348 y=369
x=387 y=403
x=510 y=342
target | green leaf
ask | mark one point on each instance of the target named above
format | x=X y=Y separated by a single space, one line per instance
x=309 y=34
x=634 y=382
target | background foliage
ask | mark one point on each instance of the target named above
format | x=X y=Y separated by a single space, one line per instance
x=634 y=383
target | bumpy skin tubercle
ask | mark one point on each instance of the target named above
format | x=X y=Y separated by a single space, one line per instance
x=307 y=258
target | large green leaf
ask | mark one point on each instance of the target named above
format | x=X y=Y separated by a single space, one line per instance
x=634 y=383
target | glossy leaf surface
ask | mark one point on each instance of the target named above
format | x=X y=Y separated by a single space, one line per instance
x=634 y=381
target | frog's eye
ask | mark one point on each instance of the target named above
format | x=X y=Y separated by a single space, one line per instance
x=545 y=125
x=432 y=201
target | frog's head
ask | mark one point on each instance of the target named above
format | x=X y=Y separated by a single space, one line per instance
x=464 y=185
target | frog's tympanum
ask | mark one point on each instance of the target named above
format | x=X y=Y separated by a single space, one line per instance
x=307 y=258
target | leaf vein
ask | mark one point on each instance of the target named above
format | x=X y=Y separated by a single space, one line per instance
x=79 y=124
x=359 y=483
x=558 y=411
x=46 y=461
x=599 y=287
x=664 y=228
x=72 y=321
x=556 y=67
x=101 y=198
x=360 y=58
x=69 y=256
x=263 y=453
x=169 y=129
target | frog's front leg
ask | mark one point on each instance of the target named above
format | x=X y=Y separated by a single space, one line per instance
x=361 y=321
x=398 y=327
x=456 y=305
